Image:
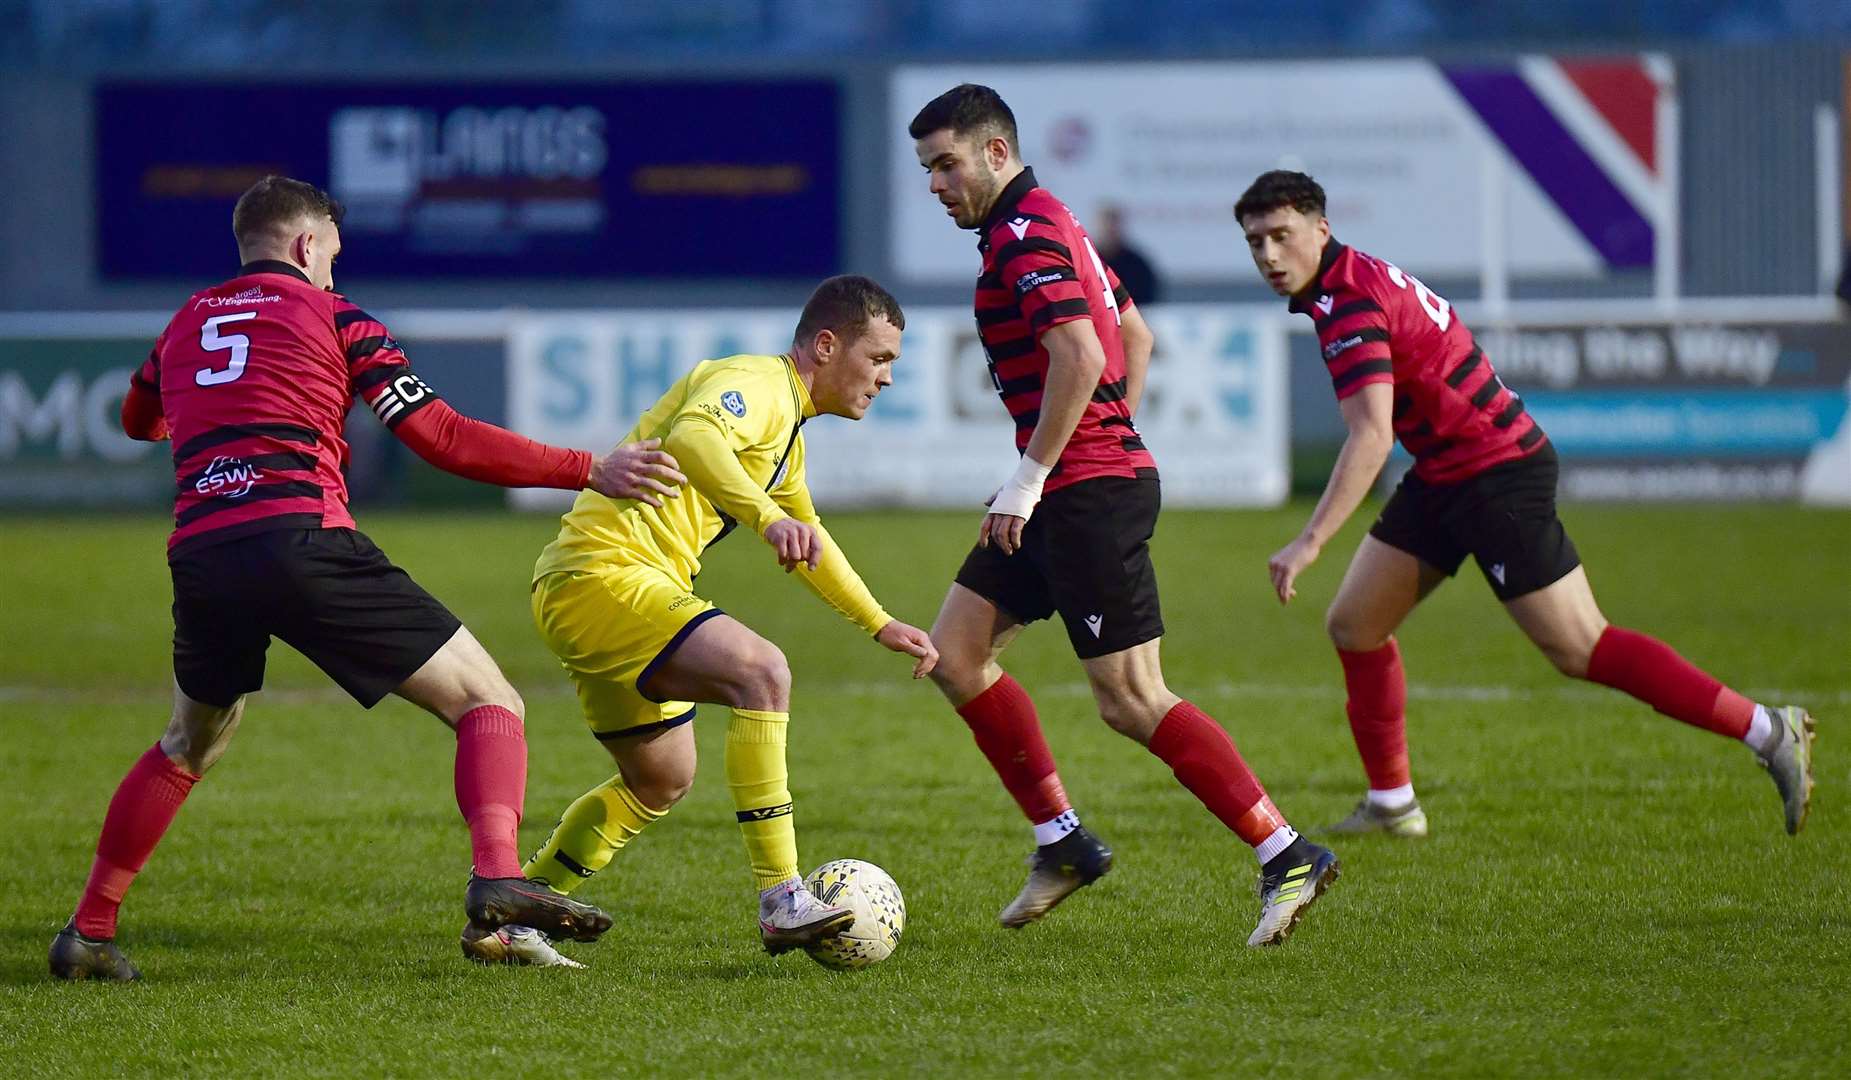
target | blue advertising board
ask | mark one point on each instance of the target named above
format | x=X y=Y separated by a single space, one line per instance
x=696 y=178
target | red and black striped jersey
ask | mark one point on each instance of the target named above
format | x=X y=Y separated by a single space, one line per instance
x=1376 y=324
x=255 y=378
x=1040 y=269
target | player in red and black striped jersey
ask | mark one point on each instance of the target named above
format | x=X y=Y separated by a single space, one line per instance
x=252 y=380
x=1404 y=366
x=1069 y=531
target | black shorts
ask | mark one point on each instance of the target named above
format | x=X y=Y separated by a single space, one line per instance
x=330 y=593
x=1504 y=517
x=1086 y=554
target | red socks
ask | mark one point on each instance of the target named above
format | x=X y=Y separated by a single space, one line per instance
x=143 y=807
x=491 y=784
x=1003 y=721
x=1378 y=699
x=1653 y=672
x=1203 y=757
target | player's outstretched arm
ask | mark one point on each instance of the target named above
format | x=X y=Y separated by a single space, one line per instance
x=1368 y=413
x=712 y=466
x=141 y=413
x=639 y=470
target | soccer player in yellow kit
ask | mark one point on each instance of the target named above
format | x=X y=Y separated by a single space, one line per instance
x=613 y=597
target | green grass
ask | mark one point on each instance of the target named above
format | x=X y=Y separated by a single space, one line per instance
x=1606 y=892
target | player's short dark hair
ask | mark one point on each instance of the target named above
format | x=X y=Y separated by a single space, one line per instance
x=1279 y=189
x=967 y=109
x=277 y=201
x=846 y=305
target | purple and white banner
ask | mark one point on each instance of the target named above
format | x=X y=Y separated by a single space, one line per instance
x=1404 y=149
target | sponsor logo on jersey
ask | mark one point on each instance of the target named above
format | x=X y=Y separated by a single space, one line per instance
x=1035 y=279
x=253 y=295
x=1342 y=345
x=229 y=477
x=734 y=402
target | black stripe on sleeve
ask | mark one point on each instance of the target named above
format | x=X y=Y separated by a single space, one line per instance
x=1015 y=249
x=1028 y=420
x=293 y=489
x=233 y=432
x=1465 y=368
x=1112 y=391
x=1122 y=297
x=1402 y=404
x=143 y=383
x=1115 y=421
x=366 y=347
x=1510 y=413
x=1529 y=438
x=990 y=279
x=1132 y=443
x=372 y=377
x=1486 y=392
x=345 y=319
x=1383 y=366
x=1059 y=309
x=1354 y=307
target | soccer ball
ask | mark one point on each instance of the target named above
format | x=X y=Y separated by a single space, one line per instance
x=880 y=913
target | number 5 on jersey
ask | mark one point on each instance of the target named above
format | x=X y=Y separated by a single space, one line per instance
x=212 y=341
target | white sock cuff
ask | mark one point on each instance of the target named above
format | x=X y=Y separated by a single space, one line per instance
x=1391 y=797
x=1047 y=832
x=1760 y=729
x=1281 y=839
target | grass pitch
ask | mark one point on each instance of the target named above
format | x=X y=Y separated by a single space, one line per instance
x=1606 y=892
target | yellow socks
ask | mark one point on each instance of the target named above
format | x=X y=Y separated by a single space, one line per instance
x=760 y=782
x=589 y=834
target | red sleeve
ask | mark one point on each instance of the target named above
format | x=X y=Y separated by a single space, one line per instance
x=141 y=413
x=1038 y=266
x=1353 y=332
x=141 y=406
x=470 y=448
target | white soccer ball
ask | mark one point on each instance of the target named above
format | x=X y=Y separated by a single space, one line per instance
x=880 y=913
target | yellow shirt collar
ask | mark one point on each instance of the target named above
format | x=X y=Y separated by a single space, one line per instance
x=805 y=407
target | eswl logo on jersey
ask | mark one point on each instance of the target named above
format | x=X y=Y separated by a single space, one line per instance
x=228 y=477
x=734 y=402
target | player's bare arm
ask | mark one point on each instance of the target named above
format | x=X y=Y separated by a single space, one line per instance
x=1368 y=414
x=1139 y=343
x=1075 y=361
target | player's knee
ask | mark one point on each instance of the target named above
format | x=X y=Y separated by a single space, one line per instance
x=1135 y=716
x=663 y=789
x=960 y=671
x=1569 y=658
x=765 y=677
x=1351 y=632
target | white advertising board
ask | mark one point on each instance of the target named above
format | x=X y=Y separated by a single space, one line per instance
x=1214 y=413
x=1402 y=148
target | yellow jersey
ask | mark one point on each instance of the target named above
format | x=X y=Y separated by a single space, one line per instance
x=734 y=426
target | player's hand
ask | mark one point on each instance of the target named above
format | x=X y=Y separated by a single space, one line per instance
x=1288 y=562
x=795 y=542
x=912 y=641
x=640 y=471
x=1003 y=530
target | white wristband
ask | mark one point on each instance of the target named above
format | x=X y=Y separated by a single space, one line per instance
x=1022 y=490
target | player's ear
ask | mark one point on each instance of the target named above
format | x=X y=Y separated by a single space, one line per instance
x=823 y=346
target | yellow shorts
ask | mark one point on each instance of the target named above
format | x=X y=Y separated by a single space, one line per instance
x=610 y=628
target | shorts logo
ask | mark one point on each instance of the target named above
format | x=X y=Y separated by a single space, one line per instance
x=227 y=477
x=1497 y=571
x=1095 y=623
x=734 y=401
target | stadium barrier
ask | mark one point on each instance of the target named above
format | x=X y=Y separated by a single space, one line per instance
x=1720 y=399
